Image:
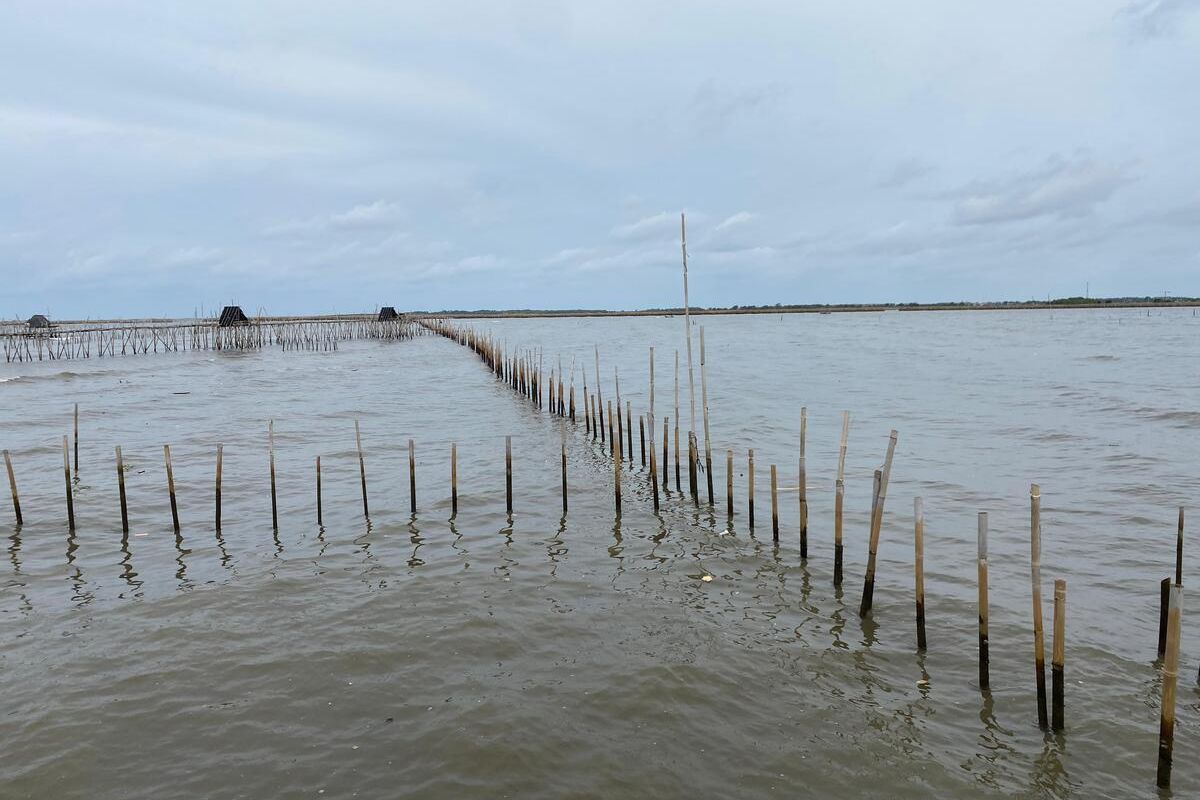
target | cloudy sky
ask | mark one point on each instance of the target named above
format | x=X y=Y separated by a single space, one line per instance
x=312 y=157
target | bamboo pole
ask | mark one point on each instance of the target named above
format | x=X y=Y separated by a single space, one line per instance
x=612 y=436
x=120 y=485
x=1057 y=658
x=876 y=525
x=704 y=408
x=217 y=489
x=12 y=486
x=750 y=486
x=412 y=476
x=642 y=438
x=729 y=484
x=454 y=479
x=620 y=438
x=1035 y=560
x=629 y=432
x=362 y=467
x=693 y=485
x=803 y=486
x=678 y=483
x=1166 y=729
x=77 y=441
x=1164 y=603
x=687 y=325
x=508 y=474
x=70 y=497
x=839 y=498
x=563 y=458
x=1179 y=551
x=171 y=487
x=616 y=468
x=654 y=472
x=919 y=567
x=984 y=682
x=320 y=514
x=599 y=397
x=774 y=506
x=274 y=496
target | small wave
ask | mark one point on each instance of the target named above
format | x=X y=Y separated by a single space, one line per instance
x=1184 y=419
x=1103 y=357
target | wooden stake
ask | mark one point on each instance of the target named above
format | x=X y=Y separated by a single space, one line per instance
x=1057 y=658
x=616 y=469
x=1035 y=560
x=653 y=471
x=693 y=454
x=750 y=486
x=839 y=497
x=678 y=483
x=803 y=487
x=666 y=461
x=919 y=568
x=508 y=474
x=612 y=437
x=620 y=438
x=320 y=515
x=70 y=497
x=1166 y=728
x=563 y=457
x=729 y=484
x=642 y=438
x=774 y=506
x=77 y=441
x=454 y=479
x=629 y=431
x=217 y=494
x=171 y=487
x=412 y=477
x=984 y=682
x=274 y=497
x=1179 y=551
x=120 y=485
x=12 y=486
x=883 y=477
x=362 y=468
x=1164 y=604
x=704 y=408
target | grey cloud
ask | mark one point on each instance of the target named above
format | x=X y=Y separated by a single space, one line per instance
x=1059 y=188
x=905 y=172
x=1156 y=18
x=657 y=226
x=715 y=107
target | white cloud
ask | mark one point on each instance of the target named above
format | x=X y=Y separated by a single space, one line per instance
x=739 y=218
x=1060 y=187
x=657 y=226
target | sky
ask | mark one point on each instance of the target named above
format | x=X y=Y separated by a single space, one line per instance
x=314 y=157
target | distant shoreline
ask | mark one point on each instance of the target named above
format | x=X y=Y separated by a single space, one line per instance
x=849 y=308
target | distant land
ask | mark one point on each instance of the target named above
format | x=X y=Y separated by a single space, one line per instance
x=777 y=308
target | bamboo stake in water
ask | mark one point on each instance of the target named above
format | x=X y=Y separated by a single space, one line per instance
x=320 y=514
x=1039 y=646
x=612 y=436
x=508 y=474
x=839 y=497
x=1179 y=551
x=274 y=498
x=687 y=325
x=1057 y=657
x=729 y=484
x=120 y=485
x=217 y=487
x=666 y=460
x=883 y=477
x=12 y=486
x=77 y=441
x=803 y=487
x=654 y=471
x=774 y=506
x=919 y=567
x=1164 y=603
x=171 y=487
x=693 y=455
x=629 y=431
x=70 y=497
x=984 y=682
x=362 y=467
x=678 y=483
x=750 y=487
x=454 y=479
x=412 y=477
x=642 y=438
x=616 y=468
x=1166 y=728
x=704 y=408
x=620 y=442
x=563 y=455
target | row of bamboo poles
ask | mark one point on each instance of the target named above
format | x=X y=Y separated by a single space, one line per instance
x=67 y=343
x=523 y=372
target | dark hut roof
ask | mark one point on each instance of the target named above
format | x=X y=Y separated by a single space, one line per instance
x=39 y=321
x=232 y=315
x=388 y=313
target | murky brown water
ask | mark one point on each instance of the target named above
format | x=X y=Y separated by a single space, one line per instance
x=585 y=657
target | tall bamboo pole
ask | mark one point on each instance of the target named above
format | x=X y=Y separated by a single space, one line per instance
x=274 y=498
x=12 y=487
x=1058 y=656
x=803 y=486
x=919 y=567
x=171 y=487
x=984 y=679
x=120 y=485
x=876 y=524
x=839 y=498
x=70 y=497
x=362 y=467
x=1166 y=728
x=704 y=406
x=678 y=483
x=1035 y=560
x=217 y=489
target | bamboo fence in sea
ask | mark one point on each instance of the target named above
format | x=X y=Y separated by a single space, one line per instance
x=553 y=391
x=21 y=344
